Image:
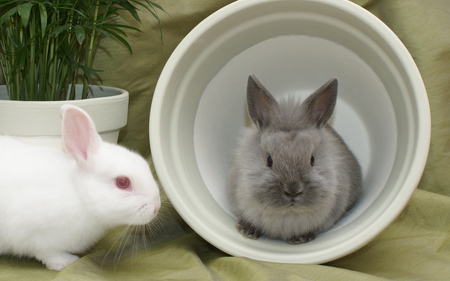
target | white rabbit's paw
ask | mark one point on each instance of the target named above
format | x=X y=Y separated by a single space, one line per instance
x=58 y=261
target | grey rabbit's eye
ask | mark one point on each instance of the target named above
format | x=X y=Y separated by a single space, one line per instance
x=269 y=161
x=312 y=160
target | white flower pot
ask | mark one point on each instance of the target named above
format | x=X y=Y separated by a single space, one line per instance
x=39 y=122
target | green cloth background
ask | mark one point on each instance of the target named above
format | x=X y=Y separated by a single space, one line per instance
x=415 y=247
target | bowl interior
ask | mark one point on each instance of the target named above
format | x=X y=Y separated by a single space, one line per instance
x=293 y=47
x=297 y=65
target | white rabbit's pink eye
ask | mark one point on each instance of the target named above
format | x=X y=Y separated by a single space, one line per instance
x=123 y=182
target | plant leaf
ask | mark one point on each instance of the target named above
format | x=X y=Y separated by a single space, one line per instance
x=24 y=11
x=43 y=15
x=130 y=8
x=89 y=72
x=156 y=5
x=60 y=29
x=80 y=33
x=119 y=27
x=120 y=38
x=7 y=15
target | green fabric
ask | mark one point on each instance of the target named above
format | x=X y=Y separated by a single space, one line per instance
x=415 y=247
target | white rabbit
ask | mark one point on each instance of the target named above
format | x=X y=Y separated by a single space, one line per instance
x=293 y=176
x=54 y=204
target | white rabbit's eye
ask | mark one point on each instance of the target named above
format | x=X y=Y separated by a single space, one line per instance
x=123 y=182
x=312 y=160
x=269 y=161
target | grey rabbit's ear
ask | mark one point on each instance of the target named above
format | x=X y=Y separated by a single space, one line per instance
x=319 y=105
x=259 y=102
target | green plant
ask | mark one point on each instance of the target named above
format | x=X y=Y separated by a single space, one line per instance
x=47 y=46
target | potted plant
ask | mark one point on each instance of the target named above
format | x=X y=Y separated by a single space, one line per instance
x=46 y=57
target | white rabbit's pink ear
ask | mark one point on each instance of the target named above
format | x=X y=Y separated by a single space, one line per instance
x=79 y=135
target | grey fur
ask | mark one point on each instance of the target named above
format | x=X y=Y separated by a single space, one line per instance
x=298 y=197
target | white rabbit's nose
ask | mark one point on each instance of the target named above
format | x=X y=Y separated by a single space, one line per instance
x=148 y=212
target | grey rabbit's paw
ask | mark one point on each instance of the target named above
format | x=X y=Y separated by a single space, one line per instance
x=248 y=230
x=304 y=238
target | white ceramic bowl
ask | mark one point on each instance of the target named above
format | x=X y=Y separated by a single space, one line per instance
x=293 y=47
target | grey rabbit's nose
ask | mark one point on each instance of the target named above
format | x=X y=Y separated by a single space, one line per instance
x=293 y=189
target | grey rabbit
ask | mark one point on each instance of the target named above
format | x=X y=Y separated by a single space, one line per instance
x=293 y=177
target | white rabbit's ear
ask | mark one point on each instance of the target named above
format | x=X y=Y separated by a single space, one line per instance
x=79 y=135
